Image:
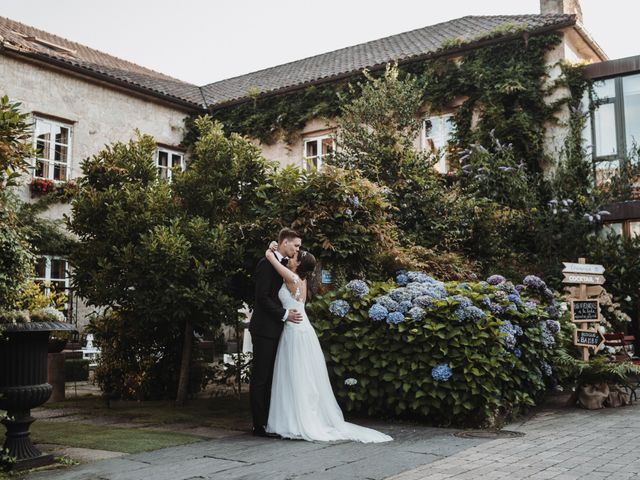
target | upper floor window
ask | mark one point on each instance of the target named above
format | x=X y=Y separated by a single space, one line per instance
x=168 y=162
x=436 y=134
x=52 y=142
x=317 y=149
x=615 y=123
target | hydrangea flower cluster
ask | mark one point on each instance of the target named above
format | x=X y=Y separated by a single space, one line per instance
x=415 y=292
x=405 y=306
x=401 y=294
x=553 y=326
x=462 y=300
x=496 y=280
x=470 y=312
x=509 y=334
x=402 y=279
x=441 y=372
x=395 y=318
x=358 y=287
x=514 y=298
x=389 y=303
x=377 y=312
x=547 y=338
x=535 y=283
x=546 y=369
x=339 y=308
x=416 y=313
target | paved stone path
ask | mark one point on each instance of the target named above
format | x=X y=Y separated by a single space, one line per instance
x=558 y=444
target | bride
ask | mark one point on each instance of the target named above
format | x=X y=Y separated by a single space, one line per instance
x=302 y=402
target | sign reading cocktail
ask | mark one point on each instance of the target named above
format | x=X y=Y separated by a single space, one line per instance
x=585 y=311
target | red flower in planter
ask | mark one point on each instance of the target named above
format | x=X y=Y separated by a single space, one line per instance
x=41 y=186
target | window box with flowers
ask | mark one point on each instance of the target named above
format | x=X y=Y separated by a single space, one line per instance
x=63 y=191
x=40 y=186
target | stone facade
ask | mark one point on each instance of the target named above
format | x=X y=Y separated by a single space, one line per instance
x=98 y=115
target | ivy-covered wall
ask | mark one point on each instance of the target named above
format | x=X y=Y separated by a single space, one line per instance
x=504 y=88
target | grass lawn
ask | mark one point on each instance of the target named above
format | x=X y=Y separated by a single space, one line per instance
x=101 y=437
x=230 y=412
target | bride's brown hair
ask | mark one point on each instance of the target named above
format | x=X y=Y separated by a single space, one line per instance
x=306 y=264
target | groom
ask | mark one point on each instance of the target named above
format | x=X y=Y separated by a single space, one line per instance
x=266 y=326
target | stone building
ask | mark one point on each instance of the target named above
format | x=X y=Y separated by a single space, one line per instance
x=81 y=99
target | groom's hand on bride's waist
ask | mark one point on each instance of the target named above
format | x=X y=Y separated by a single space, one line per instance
x=294 y=316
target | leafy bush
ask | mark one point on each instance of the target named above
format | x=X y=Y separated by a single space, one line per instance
x=344 y=218
x=159 y=268
x=465 y=353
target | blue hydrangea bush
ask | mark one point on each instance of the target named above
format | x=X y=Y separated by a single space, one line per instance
x=471 y=353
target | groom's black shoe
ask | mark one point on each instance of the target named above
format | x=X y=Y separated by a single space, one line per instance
x=261 y=432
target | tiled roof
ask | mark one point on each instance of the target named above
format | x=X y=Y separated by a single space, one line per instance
x=413 y=45
x=402 y=47
x=52 y=48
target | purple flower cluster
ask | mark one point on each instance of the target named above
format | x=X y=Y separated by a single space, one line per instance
x=509 y=332
x=553 y=326
x=546 y=336
x=358 y=287
x=496 y=280
x=546 y=369
x=339 y=308
x=534 y=283
x=395 y=318
x=377 y=312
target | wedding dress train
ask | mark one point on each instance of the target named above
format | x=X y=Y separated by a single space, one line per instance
x=302 y=402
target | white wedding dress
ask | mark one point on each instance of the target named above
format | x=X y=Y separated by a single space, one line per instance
x=302 y=402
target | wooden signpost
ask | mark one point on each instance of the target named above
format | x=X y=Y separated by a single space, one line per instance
x=585 y=310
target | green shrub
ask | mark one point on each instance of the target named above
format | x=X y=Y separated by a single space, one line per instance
x=76 y=370
x=495 y=342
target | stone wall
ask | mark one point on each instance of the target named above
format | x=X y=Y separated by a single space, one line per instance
x=99 y=115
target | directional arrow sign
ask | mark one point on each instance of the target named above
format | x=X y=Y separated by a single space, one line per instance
x=583 y=268
x=588 y=338
x=592 y=291
x=583 y=278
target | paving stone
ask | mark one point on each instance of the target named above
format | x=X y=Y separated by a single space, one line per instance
x=561 y=444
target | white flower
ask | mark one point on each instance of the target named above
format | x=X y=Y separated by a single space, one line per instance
x=350 y=382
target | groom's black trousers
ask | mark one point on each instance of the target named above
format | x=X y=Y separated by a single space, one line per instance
x=264 y=357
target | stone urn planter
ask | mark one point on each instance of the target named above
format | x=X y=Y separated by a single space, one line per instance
x=23 y=385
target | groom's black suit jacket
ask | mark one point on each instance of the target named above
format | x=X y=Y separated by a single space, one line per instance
x=268 y=313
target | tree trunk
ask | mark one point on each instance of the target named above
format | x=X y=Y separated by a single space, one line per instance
x=187 y=347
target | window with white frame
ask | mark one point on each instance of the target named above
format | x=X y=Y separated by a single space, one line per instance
x=169 y=161
x=316 y=150
x=437 y=137
x=51 y=272
x=52 y=143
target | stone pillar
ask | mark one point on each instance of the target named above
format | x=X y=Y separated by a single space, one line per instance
x=56 y=376
x=561 y=6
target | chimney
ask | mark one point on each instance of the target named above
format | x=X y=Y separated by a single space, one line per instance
x=561 y=6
